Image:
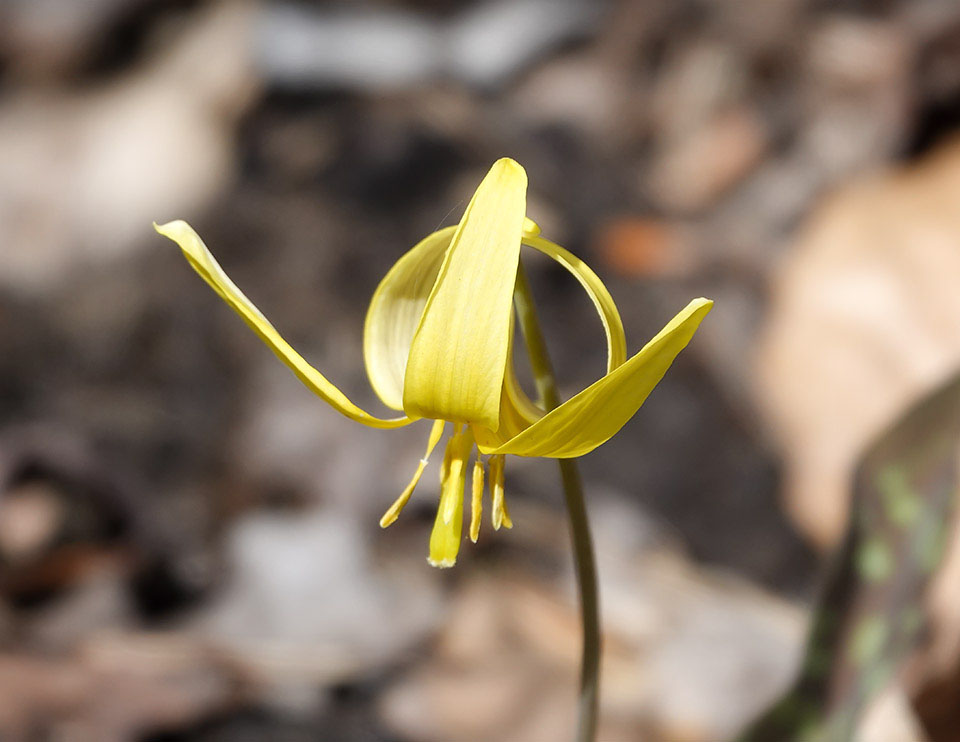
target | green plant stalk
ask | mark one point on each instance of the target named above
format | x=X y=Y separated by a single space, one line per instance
x=586 y=567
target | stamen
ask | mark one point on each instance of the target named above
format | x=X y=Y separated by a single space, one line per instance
x=500 y=515
x=476 y=501
x=394 y=511
x=448 y=526
x=505 y=517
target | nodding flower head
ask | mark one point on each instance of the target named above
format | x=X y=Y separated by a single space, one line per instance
x=438 y=345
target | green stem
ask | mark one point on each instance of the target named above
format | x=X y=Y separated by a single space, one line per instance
x=576 y=507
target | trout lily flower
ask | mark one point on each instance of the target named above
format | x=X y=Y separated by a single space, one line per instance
x=438 y=345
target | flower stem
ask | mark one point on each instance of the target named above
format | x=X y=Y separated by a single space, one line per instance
x=576 y=507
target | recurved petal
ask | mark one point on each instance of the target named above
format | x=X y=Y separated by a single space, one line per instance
x=606 y=308
x=204 y=263
x=459 y=351
x=517 y=411
x=596 y=414
x=394 y=314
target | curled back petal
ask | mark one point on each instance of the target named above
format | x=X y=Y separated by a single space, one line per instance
x=517 y=410
x=204 y=263
x=609 y=316
x=394 y=314
x=596 y=414
x=459 y=351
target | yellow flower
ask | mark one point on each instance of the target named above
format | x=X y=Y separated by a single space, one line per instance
x=438 y=344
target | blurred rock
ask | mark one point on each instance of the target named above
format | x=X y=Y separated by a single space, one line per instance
x=276 y=613
x=485 y=45
x=719 y=649
x=299 y=46
x=493 y=40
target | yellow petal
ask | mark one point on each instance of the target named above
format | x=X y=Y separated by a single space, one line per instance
x=394 y=511
x=596 y=414
x=445 y=537
x=391 y=321
x=395 y=312
x=459 y=352
x=609 y=316
x=204 y=263
x=517 y=411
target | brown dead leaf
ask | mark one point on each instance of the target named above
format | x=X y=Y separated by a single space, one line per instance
x=865 y=317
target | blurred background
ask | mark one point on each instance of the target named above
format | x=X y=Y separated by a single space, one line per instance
x=189 y=547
